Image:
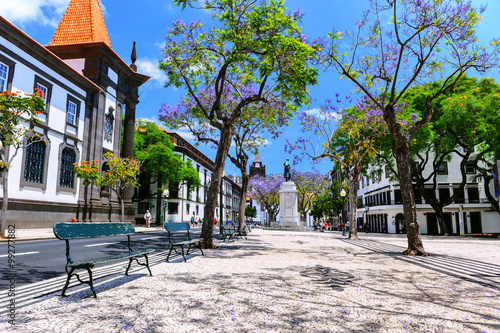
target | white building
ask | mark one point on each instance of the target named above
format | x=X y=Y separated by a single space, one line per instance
x=181 y=206
x=87 y=89
x=380 y=204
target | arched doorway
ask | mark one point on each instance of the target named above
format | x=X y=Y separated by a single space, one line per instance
x=400 y=224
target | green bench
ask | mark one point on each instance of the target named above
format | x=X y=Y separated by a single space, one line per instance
x=179 y=228
x=69 y=231
x=228 y=234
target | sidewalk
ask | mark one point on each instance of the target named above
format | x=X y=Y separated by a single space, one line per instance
x=280 y=281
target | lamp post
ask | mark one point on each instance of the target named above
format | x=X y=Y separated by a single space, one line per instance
x=342 y=194
x=221 y=212
x=165 y=203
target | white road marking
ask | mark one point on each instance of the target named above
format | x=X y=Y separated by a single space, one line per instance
x=18 y=254
x=151 y=238
x=99 y=244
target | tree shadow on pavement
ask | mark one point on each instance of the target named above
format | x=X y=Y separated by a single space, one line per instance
x=484 y=274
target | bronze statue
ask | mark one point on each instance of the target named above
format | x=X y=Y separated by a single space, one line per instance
x=287 y=173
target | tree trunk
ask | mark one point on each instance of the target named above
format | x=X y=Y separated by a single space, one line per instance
x=123 y=208
x=5 y=202
x=353 y=220
x=401 y=152
x=493 y=201
x=440 y=219
x=213 y=190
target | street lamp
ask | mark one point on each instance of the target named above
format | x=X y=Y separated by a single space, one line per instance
x=342 y=194
x=165 y=203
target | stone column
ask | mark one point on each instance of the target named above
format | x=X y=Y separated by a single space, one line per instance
x=289 y=212
x=131 y=102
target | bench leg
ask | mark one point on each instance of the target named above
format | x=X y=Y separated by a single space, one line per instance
x=182 y=250
x=147 y=264
x=138 y=263
x=129 y=264
x=63 y=294
x=169 y=253
x=91 y=283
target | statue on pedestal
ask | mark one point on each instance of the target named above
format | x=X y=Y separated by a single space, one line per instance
x=287 y=174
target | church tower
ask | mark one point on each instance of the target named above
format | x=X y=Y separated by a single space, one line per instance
x=81 y=40
x=257 y=168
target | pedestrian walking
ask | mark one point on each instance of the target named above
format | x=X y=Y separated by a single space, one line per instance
x=192 y=221
x=147 y=217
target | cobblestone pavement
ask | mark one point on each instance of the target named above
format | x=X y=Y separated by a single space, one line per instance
x=279 y=281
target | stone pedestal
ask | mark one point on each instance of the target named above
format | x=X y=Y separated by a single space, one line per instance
x=289 y=212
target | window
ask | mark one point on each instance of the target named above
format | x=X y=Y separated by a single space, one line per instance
x=444 y=194
x=469 y=167
x=66 y=171
x=72 y=110
x=142 y=207
x=43 y=89
x=397 y=197
x=46 y=88
x=442 y=169
x=173 y=207
x=459 y=196
x=7 y=68
x=4 y=75
x=473 y=194
x=34 y=164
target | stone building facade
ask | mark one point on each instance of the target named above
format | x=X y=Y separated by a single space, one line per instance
x=87 y=88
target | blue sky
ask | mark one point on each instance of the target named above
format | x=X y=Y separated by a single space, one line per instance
x=146 y=23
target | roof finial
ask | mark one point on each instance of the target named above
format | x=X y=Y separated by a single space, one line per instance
x=133 y=57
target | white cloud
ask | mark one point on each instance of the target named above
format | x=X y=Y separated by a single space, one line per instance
x=187 y=135
x=149 y=67
x=313 y=112
x=45 y=12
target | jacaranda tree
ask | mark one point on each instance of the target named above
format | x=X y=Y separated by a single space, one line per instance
x=398 y=44
x=309 y=185
x=345 y=135
x=266 y=191
x=254 y=54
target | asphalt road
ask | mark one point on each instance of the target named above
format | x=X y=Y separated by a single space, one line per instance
x=38 y=260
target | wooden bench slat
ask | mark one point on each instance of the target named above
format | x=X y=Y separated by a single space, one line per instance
x=85 y=230
x=192 y=241
x=110 y=258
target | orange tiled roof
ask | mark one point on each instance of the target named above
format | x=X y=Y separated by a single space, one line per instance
x=82 y=23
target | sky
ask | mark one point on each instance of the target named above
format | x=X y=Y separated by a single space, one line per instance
x=146 y=23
